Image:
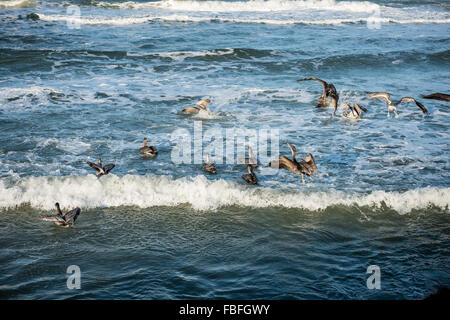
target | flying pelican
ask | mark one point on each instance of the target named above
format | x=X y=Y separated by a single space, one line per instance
x=251 y=160
x=250 y=177
x=101 y=170
x=63 y=220
x=209 y=167
x=148 y=151
x=438 y=96
x=201 y=105
x=329 y=96
x=393 y=106
x=355 y=111
x=306 y=166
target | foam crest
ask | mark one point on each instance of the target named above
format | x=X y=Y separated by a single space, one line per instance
x=15 y=4
x=248 y=6
x=121 y=21
x=198 y=192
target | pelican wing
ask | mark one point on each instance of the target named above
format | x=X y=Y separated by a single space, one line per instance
x=108 y=167
x=53 y=218
x=203 y=103
x=94 y=166
x=324 y=84
x=438 y=96
x=381 y=95
x=409 y=99
x=282 y=163
x=358 y=108
x=72 y=215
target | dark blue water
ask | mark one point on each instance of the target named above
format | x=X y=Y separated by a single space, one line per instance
x=79 y=85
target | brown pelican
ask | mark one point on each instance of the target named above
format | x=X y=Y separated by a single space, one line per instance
x=251 y=160
x=209 y=167
x=63 y=220
x=101 y=170
x=250 y=177
x=329 y=96
x=438 y=96
x=202 y=105
x=393 y=106
x=306 y=166
x=148 y=151
x=355 y=111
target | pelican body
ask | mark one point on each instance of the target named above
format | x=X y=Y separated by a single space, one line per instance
x=147 y=151
x=355 y=111
x=392 y=106
x=101 y=170
x=201 y=105
x=306 y=166
x=65 y=220
x=209 y=166
x=250 y=177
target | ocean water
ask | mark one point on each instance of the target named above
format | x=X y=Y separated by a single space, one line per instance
x=90 y=79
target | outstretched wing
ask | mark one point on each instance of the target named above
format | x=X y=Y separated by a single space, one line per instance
x=324 y=84
x=203 y=103
x=438 y=96
x=282 y=163
x=381 y=95
x=108 y=167
x=409 y=99
x=358 y=108
x=52 y=218
x=94 y=166
x=71 y=216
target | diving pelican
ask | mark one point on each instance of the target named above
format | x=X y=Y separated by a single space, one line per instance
x=148 y=151
x=209 y=166
x=101 y=170
x=329 y=96
x=393 y=106
x=355 y=111
x=306 y=166
x=250 y=177
x=63 y=220
x=201 y=105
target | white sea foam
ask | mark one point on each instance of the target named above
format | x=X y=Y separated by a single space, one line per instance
x=248 y=6
x=15 y=4
x=125 y=21
x=199 y=192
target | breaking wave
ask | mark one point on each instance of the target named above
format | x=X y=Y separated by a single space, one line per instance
x=200 y=193
x=15 y=4
x=124 y=21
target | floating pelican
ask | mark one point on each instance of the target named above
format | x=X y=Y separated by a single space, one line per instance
x=393 y=106
x=202 y=105
x=101 y=170
x=355 y=111
x=306 y=166
x=251 y=160
x=250 y=177
x=209 y=167
x=438 y=96
x=148 y=151
x=329 y=96
x=63 y=220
